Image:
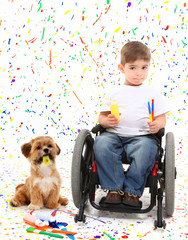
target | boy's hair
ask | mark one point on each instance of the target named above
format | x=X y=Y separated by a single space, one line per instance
x=133 y=51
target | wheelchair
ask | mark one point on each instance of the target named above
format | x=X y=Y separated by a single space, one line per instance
x=85 y=180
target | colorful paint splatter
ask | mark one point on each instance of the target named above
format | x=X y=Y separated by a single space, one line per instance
x=58 y=60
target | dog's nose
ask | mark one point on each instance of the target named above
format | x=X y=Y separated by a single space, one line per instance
x=46 y=150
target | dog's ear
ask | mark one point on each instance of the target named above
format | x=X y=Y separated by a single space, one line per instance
x=58 y=149
x=26 y=148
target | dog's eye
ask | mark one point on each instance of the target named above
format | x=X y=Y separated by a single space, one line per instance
x=38 y=148
x=49 y=145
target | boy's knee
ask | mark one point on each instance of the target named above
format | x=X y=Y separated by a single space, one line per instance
x=99 y=143
x=146 y=142
x=103 y=142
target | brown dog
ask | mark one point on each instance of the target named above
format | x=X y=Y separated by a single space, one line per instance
x=42 y=188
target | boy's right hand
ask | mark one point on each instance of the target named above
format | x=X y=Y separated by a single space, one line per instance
x=111 y=121
x=106 y=119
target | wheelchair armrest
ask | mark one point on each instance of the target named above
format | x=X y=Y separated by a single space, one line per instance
x=160 y=133
x=98 y=129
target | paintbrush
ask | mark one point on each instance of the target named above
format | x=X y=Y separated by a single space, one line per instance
x=33 y=230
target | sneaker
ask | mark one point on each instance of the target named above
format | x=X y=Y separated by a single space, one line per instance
x=114 y=197
x=131 y=200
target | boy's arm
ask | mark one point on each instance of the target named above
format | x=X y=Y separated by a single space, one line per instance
x=106 y=119
x=158 y=123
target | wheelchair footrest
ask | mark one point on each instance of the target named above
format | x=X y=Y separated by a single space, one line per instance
x=119 y=207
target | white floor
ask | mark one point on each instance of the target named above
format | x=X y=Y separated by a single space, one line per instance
x=99 y=224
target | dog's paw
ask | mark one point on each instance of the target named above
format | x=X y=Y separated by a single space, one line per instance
x=63 y=201
x=53 y=205
x=14 y=203
x=33 y=207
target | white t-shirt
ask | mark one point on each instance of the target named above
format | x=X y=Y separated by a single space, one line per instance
x=133 y=106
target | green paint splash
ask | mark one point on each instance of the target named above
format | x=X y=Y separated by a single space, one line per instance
x=39 y=7
x=43 y=33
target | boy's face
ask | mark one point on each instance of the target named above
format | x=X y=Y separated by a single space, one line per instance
x=135 y=72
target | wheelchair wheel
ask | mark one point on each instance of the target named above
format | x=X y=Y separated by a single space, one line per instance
x=170 y=174
x=82 y=161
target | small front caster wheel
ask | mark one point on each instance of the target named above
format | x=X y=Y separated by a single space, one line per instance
x=155 y=224
x=76 y=218
x=164 y=224
x=84 y=218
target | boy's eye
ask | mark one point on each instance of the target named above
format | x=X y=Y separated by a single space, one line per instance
x=132 y=68
x=144 y=68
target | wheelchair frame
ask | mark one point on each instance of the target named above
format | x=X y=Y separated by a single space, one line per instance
x=85 y=181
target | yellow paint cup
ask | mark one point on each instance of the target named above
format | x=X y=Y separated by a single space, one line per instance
x=115 y=109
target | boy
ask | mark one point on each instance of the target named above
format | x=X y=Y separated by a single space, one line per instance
x=133 y=133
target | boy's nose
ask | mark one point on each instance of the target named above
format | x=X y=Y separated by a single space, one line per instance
x=138 y=73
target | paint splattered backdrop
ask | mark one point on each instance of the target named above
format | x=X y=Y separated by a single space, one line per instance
x=58 y=58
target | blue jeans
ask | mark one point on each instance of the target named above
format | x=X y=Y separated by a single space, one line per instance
x=141 y=152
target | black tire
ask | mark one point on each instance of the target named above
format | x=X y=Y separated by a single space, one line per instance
x=170 y=174
x=82 y=161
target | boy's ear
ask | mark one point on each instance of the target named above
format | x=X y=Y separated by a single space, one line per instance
x=121 y=68
x=26 y=148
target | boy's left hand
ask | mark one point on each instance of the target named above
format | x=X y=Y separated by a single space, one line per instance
x=154 y=127
x=158 y=123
